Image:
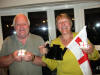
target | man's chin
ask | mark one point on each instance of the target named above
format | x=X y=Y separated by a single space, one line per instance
x=22 y=36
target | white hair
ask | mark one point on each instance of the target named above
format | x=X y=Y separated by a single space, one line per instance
x=19 y=15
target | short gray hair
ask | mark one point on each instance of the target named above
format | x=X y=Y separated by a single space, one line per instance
x=18 y=15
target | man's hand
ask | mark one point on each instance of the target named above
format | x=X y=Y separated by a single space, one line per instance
x=43 y=49
x=16 y=57
x=28 y=56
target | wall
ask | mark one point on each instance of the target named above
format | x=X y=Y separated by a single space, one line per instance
x=11 y=3
x=1 y=38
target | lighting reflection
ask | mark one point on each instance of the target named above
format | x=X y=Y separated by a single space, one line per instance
x=94 y=28
x=44 y=28
x=7 y=26
x=73 y=19
x=44 y=21
x=14 y=32
x=12 y=25
x=97 y=25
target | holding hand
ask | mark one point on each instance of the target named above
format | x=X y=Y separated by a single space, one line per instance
x=43 y=49
x=24 y=55
x=89 y=49
x=16 y=57
x=28 y=56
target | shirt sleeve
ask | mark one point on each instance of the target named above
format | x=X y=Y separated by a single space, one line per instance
x=51 y=64
x=38 y=41
x=4 y=49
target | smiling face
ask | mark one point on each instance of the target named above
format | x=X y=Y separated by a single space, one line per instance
x=64 y=23
x=21 y=26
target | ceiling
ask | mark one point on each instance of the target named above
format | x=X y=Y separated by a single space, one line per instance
x=50 y=4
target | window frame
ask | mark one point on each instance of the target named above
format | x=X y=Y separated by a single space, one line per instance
x=78 y=14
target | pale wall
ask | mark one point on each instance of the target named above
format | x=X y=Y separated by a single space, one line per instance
x=10 y=3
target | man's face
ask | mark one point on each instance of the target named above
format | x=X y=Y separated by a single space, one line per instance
x=21 y=26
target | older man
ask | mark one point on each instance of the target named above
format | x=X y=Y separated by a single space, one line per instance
x=20 y=51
